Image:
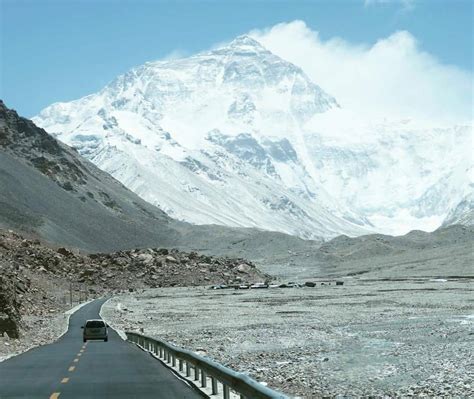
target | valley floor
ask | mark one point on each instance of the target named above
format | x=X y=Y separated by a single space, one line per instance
x=367 y=337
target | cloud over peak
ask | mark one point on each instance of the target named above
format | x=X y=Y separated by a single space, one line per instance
x=392 y=77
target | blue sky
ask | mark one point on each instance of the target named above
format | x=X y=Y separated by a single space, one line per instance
x=64 y=49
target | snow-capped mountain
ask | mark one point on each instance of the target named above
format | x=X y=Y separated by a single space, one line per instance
x=463 y=212
x=240 y=137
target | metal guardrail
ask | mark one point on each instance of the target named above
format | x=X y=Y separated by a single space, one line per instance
x=205 y=369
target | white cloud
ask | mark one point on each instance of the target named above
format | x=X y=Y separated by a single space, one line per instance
x=391 y=78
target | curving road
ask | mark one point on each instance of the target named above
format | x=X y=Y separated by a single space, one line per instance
x=69 y=368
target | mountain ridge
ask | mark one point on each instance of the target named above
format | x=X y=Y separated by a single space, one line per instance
x=237 y=136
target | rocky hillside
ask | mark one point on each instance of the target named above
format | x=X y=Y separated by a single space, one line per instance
x=48 y=189
x=34 y=277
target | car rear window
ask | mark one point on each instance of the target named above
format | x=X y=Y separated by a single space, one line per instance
x=95 y=324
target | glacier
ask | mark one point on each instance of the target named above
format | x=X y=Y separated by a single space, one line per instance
x=238 y=136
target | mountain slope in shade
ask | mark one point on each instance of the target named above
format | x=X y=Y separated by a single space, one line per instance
x=47 y=189
x=239 y=137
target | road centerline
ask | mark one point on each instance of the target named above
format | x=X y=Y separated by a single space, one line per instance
x=124 y=371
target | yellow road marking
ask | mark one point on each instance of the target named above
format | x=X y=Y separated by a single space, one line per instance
x=72 y=368
x=76 y=360
x=55 y=395
x=82 y=350
x=64 y=380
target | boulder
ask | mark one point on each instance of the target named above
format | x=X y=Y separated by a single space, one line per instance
x=243 y=268
x=64 y=251
x=9 y=325
x=145 y=258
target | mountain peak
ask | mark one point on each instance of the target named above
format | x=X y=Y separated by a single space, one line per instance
x=247 y=42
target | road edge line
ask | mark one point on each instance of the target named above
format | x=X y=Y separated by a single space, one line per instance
x=120 y=333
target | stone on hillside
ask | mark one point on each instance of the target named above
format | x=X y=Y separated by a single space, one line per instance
x=146 y=258
x=87 y=272
x=243 y=268
x=64 y=251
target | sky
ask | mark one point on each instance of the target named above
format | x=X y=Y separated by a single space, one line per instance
x=60 y=50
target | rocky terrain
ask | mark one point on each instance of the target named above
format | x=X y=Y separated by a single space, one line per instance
x=38 y=281
x=400 y=325
x=409 y=338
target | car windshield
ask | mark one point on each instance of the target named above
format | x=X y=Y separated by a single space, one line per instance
x=95 y=324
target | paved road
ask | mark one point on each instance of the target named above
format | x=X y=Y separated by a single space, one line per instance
x=69 y=368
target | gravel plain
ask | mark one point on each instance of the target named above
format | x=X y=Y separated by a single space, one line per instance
x=365 y=338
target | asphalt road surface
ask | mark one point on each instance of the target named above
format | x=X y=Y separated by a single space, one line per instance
x=69 y=368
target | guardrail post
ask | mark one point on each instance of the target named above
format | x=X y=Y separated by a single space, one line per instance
x=203 y=379
x=226 y=390
x=180 y=361
x=196 y=373
x=161 y=352
x=215 y=389
x=173 y=360
x=188 y=369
